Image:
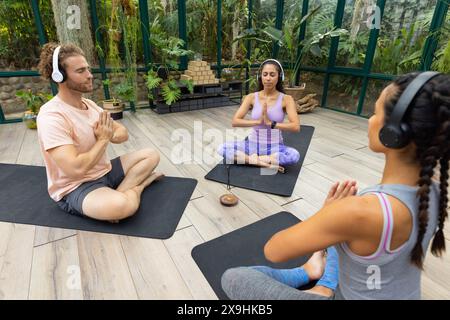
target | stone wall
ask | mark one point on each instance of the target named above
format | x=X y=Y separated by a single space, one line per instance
x=9 y=86
x=11 y=104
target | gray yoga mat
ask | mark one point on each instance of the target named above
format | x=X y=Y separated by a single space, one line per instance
x=24 y=199
x=249 y=177
x=243 y=247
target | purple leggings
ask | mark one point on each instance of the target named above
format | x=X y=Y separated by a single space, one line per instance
x=285 y=155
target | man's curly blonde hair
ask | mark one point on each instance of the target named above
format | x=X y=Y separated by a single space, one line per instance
x=67 y=50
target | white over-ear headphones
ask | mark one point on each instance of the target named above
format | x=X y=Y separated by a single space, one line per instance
x=273 y=60
x=57 y=76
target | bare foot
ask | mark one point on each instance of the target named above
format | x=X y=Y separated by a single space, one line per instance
x=155 y=176
x=240 y=158
x=315 y=266
x=322 y=291
x=265 y=159
x=274 y=158
x=278 y=168
x=253 y=159
x=159 y=176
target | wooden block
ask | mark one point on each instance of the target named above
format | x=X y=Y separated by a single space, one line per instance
x=185 y=77
x=189 y=73
x=195 y=63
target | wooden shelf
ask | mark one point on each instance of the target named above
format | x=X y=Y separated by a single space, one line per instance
x=204 y=96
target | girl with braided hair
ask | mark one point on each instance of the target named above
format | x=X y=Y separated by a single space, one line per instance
x=378 y=237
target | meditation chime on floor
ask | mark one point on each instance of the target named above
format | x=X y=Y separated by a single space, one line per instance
x=228 y=199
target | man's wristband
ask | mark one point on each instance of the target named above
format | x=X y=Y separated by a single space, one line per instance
x=274 y=123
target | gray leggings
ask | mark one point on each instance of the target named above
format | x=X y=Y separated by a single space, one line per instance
x=245 y=283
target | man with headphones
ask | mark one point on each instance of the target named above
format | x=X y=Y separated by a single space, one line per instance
x=74 y=133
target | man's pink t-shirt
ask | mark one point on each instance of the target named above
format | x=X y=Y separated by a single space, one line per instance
x=61 y=124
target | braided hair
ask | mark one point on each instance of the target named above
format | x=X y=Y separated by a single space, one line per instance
x=429 y=119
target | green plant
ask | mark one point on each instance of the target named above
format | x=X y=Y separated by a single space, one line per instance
x=121 y=29
x=442 y=63
x=33 y=101
x=125 y=91
x=170 y=90
x=400 y=55
x=312 y=43
x=169 y=50
x=442 y=60
x=152 y=81
x=286 y=39
x=18 y=35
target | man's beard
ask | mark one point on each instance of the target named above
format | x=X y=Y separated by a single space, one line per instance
x=80 y=87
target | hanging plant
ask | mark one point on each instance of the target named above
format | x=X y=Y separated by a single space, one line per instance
x=122 y=27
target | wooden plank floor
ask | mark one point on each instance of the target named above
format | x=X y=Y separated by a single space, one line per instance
x=48 y=263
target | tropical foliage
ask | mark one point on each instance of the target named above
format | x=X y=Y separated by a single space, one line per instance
x=399 y=48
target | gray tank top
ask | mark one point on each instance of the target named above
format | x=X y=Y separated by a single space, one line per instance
x=388 y=274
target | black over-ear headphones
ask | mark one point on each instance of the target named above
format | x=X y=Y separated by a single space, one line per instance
x=396 y=134
x=280 y=75
x=58 y=74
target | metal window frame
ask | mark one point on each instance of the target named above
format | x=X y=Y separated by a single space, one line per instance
x=440 y=12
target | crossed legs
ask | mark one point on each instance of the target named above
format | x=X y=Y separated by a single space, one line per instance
x=261 y=282
x=269 y=161
x=113 y=205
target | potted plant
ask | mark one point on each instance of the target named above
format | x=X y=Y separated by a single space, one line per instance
x=114 y=106
x=286 y=38
x=33 y=103
x=311 y=44
x=159 y=78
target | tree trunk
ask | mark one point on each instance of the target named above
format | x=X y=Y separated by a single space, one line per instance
x=72 y=22
x=358 y=13
x=402 y=19
x=415 y=11
x=164 y=5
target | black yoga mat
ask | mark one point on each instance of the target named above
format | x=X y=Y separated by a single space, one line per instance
x=24 y=199
x=250 y=177
x=243 y=247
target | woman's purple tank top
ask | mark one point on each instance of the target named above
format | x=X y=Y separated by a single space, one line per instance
x=262 y=133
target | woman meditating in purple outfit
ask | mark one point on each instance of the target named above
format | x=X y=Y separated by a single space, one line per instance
x=264 y=147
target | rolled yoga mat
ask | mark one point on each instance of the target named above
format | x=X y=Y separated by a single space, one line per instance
x=24 y=199
x=250 y=177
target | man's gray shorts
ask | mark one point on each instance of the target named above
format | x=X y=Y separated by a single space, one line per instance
x=73 y=202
